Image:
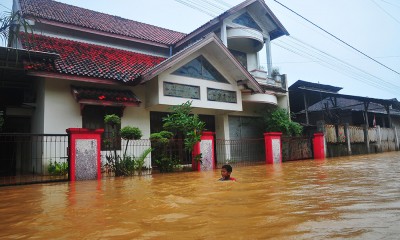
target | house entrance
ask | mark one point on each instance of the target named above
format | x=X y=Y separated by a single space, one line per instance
x=177 y=144
x=8 y=148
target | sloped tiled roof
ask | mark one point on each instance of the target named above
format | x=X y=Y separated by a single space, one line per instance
x=89 y=60
x=81 y=17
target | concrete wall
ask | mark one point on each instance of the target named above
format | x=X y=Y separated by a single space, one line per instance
x=203 y=84
x=61 y=111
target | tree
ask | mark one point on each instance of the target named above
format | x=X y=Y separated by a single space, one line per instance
x=10 y=23
x=182 y=120
x=278 y=120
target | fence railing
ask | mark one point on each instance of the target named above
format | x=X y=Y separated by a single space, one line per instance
x=30 y=158
x=134 y=148
x=356 y=134
x=240 y=152
x=379 y=140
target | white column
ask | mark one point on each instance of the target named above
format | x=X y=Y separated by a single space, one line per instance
x=268 y=54
x=224 y=38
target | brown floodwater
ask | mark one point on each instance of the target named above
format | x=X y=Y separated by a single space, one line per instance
x=351 y=197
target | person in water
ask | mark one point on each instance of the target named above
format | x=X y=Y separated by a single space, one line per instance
x=226 y=171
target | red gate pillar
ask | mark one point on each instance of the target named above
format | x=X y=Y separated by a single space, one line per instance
x=319 y=146
x=273 y=147
x=84 y=153
x=206 y=148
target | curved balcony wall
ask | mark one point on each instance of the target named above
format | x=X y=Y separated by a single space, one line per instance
x=244 y=39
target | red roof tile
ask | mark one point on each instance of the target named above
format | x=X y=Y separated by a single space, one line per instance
x=68 y=14
x=88 y=60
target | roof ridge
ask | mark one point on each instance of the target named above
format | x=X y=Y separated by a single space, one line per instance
x=78 y=16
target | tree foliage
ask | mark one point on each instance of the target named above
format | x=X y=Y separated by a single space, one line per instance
x=278 y=120
x=182 y=120
x=10 y=22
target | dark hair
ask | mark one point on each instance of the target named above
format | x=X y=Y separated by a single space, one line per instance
x=227 y=167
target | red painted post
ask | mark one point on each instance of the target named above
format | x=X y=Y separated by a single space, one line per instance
x=319 y=146
x=206 y=148
x=195 y=152
x=84 y=150
x=273 y=147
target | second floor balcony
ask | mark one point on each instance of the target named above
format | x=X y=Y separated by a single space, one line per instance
x=276 y=81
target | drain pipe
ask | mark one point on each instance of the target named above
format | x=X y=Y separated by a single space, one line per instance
x=170 y=50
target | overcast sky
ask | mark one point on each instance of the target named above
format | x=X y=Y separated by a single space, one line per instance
x=371 y=26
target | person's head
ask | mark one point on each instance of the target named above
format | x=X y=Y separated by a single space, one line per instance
x=226 y=171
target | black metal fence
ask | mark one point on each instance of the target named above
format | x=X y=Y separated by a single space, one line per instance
x=241 y=152
x=296 y=148
x=33 y=158
x=174 y=149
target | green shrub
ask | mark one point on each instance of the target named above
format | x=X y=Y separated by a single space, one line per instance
x=166 y=164
x=131 y=133
x=57 y=168
x=139 y=161
x=278 y=120
x=112 y=119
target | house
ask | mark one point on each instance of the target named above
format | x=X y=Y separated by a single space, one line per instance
x=312 y=102
x=89 y=64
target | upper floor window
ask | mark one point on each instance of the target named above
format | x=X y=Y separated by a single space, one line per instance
x=201 y=68
x=246 y=20
x=240 y=56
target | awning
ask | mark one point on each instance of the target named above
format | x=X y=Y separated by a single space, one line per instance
x=104 y=97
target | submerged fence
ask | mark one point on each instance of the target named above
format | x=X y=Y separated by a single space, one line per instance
x=31 y=158
x=296 y=148
x=174 y=150
x=360 y=140
x=240 y=152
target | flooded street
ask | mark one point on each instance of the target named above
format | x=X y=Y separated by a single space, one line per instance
x=351 y=197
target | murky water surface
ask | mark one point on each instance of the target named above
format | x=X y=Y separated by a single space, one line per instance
x=355 y=197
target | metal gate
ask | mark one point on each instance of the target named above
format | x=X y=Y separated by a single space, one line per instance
x=33 y=158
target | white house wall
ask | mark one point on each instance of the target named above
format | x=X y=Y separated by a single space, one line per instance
x=138 y=116
x=252 y=62
x=38 y=114
x=203 y=84
x=61 y=111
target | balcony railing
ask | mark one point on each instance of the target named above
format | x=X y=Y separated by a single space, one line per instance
x=262 y=77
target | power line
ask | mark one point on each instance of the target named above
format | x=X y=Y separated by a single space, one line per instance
x=336 y=68
x=390 y=15
x=390 y=3
x=340 y=67
x=343 y=63
x=338 y=38
x=319 y=56
x=195 y=7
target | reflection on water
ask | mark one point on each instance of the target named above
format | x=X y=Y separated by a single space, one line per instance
x=352 y=197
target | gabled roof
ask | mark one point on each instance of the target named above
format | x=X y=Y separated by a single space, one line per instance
x=301 y=85
x=89 y=60
x=317 y=93
x=56 y=12
x=352 y=105
x=279 y=31
x=218 y=46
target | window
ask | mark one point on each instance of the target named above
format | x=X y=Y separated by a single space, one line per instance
x=246 y=20
x=93 y=118
x=202 y=69
x=240 y=56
